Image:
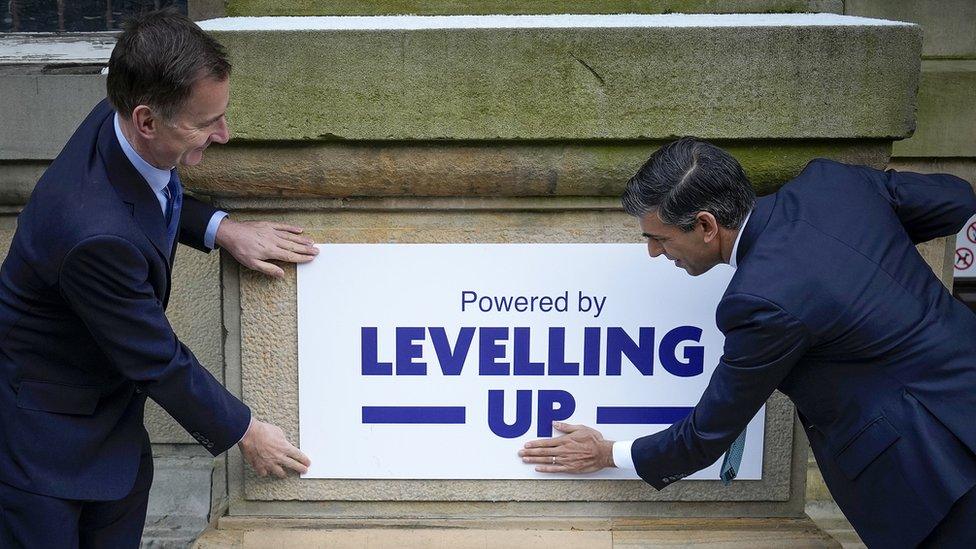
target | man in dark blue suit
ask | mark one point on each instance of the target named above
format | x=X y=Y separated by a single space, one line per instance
x=83 y=335
x=831 y=304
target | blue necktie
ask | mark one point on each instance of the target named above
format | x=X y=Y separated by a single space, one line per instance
x=732 y=460
x=174 y=203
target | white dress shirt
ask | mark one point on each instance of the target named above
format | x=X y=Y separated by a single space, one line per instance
x=622 y=457
x=158 y=179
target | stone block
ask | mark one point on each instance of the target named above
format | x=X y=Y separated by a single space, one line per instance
x=760 y=77
x=179 y=500
x=947 y=25
x=483 y=7
x=946 y=112
x=41 y=111
x=268 y=353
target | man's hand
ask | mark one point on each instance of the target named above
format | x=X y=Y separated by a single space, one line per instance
x=266 y=450
x=253 y=243
x=580 y=450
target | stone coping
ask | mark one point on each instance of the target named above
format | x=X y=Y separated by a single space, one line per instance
x=571 y=77
x=552 y=21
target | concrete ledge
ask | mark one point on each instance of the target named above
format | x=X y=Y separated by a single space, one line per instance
x=598 y=77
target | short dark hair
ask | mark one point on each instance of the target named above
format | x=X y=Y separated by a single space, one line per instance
x=688 y=176
x=156 y=61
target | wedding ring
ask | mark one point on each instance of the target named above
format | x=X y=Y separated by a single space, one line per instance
x=553 y=460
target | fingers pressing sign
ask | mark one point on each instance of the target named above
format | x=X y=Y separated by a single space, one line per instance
x=255 y=244
x=580 y=450
x=267 y=451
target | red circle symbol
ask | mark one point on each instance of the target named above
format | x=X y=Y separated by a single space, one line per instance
x=964 y=258
x=971 y=232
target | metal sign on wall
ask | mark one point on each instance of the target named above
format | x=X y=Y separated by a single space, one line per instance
x=439 y=361
x=964 y=262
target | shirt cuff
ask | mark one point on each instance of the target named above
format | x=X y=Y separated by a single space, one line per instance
x=210 y=236
x=250 y=422
x=622 y=457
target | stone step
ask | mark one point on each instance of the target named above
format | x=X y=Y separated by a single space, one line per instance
x=245 y=533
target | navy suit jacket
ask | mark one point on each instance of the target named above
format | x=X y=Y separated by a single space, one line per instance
x=832 y=305
x=83 y=335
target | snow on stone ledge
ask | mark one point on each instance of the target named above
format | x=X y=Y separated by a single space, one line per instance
x=424 y=22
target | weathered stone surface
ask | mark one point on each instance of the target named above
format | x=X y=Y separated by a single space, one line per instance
x=179 y=500
x=351 y=169
x=948 y=25
x=462 y=7
x=195 y=314
x=270 y=370
x=946 y=112
x=40 y=112
x=851 y=81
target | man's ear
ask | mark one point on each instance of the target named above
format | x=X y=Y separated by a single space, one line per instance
x=146 y=122
x=708 y=225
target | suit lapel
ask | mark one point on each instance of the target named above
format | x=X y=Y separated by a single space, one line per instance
x=757 y=223
x=133 y=189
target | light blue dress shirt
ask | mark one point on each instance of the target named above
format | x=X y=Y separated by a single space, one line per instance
x=622 y=457
x=158 y=179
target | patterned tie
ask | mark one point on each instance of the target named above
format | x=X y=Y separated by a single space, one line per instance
x=174 y=204
x=733 y=457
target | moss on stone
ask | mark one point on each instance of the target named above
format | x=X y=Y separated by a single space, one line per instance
x=575 y=83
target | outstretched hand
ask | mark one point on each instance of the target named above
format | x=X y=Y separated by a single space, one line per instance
x=267 y=451
x=254 y=243
x=581 y=450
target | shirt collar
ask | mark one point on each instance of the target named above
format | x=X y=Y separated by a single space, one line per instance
x=738 y=237
x=156 y=177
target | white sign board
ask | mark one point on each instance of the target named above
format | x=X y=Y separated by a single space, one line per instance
x=965 y=258
x=439 y=361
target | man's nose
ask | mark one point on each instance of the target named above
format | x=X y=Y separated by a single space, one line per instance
x=222 y=135
x=654 y=249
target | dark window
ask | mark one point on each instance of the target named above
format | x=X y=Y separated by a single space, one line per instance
x=965 y=290
x=74 y=15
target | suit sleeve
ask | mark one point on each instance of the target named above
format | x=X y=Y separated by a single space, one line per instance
x=762 y=343
x=928 y=205
x=105 y=281
x=194 y=218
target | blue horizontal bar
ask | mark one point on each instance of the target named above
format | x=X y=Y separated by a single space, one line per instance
x=413 y=414
x=642 y=415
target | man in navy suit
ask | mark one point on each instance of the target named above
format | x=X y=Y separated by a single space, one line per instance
x=83 y=335
x=831 y=304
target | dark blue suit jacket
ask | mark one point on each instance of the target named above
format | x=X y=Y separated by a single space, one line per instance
x=832 y=305
x=83 y=336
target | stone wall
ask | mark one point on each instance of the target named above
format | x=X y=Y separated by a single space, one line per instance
x=388 y=175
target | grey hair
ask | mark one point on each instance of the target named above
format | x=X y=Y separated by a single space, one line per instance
x=688 y=176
